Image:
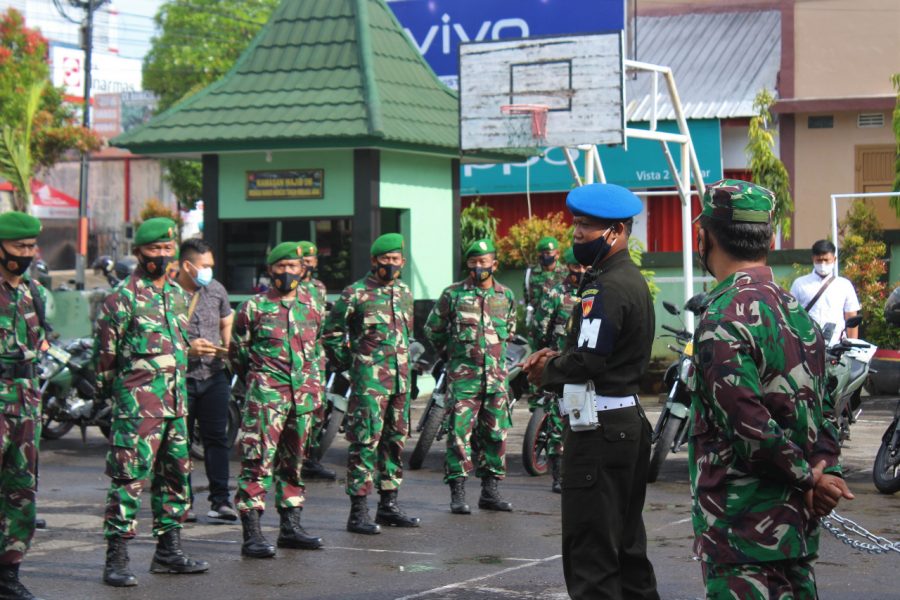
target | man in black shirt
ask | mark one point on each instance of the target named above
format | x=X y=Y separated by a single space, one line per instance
x=604 y=476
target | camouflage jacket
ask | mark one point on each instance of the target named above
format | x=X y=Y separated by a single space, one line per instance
x=543 y=281
x=273 y=341
x=473 y=326
x=21 y=335
x=314 y=370
x=551 y=320
x=140 y=349
x=368 y=331
x=757 y=423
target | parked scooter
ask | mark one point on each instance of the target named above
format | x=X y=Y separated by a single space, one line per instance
x=848 y=368
x=672 y=426
x=886 y=472
x=537 y=436
x=68 y=394
x=433 y=425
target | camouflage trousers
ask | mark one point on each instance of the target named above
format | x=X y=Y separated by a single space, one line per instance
x=477 y=434
x=780 y=580
x=18 y=479
x=141 y=449
x=317 y=423
x=377 y=428
x=273 y=439
x=555 y=428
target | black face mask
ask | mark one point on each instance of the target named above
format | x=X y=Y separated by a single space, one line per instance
x=387 y=272
x=481 y=274
x=17 y=265
x=286 y=282
x=547 y=260
x=154 y=266
x=310 y=273
x=589 y=253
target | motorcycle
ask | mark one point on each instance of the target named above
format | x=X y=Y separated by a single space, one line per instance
x=847 y=369
x=672 y=425
x=68 y=394
x=433 y=425
x=537 y=436
x=886 y=472
x=337 y=397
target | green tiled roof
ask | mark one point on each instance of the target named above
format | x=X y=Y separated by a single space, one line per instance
x=321 y=73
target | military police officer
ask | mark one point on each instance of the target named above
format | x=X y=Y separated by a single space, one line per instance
x=312 y=467
x=763 y=458
x=472 y=322
x=21 y=337
x=605 y=467
x=551 y=326
x=141 y=363
x=368 y=331
x=275 y=335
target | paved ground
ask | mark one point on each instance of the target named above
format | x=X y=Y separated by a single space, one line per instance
x=483 y=555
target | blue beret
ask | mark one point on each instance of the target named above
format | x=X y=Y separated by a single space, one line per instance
x=603 y=201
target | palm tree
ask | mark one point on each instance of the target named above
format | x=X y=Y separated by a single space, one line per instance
x=16 y=164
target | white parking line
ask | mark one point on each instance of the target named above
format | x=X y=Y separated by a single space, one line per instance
x=379 y=550
x=460 y=584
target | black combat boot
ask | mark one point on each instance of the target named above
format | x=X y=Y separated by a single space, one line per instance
x=360 y=521
x=10 y=586
x=389 y=513
x=490 y=496
x=116 y=572
x=255 y=545
x=313 y=469
x=458 y=504
x=291 y=534
x=170 y=558
x=555 y=466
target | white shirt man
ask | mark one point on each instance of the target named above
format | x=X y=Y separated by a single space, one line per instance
x=837 y=303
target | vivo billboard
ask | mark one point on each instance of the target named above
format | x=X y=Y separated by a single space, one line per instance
x=437 y=27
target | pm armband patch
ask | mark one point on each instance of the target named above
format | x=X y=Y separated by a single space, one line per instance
x=589 y=333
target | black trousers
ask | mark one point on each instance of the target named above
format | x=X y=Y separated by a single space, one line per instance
x=208 y=406
x=604 y=483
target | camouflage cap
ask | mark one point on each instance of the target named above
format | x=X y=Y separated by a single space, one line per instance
x=389 y=242
x=308 y=249
x=157 y=229
x=569 y=257
x=15 y=225
x=547 y=244
x=284 y=250
x=738 y=202
x=480 y=248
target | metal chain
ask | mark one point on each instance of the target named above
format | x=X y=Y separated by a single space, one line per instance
x=843 y=529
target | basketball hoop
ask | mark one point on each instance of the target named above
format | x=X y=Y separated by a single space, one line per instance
x=538 y=114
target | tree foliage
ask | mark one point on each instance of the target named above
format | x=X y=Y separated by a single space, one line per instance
x=766 y=168
x=45 y=123
x=16 y=160
x=476 y=222
x=200 y=41
x=516 y=249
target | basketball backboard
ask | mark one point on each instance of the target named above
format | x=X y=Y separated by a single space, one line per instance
x=580 y=79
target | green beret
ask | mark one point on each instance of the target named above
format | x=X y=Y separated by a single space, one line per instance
x=15 y=225
x=157 y=229
x=480 y=248
x=546 y=244
x=738 y=202
x=289 y=250
x=308 y=249
x=389 y=242
x=569 y=257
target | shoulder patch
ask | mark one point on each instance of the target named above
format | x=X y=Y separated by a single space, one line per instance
x=587 y=303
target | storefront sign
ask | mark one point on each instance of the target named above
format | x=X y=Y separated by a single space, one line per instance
x=437 y=27
x=114 y=114
x=301 y=184
x=109 y=73
x=642 y=165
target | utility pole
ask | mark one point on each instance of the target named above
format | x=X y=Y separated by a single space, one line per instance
x=87 y=37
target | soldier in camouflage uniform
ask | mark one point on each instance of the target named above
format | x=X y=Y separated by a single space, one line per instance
x=21 y=338
x=368 y=332
x=546 y=275
x=551 y=328
x=274 y=340
x=472 y=322
x=763 y=457
x=312 y=467
x=141 y=363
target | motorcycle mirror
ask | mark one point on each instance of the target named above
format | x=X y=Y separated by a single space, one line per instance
x=696 y=304
x=671 y=308
x=853 y=322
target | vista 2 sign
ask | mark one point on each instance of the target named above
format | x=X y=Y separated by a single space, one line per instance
x=437 y=27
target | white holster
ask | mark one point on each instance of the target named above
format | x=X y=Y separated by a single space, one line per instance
x=578 y=403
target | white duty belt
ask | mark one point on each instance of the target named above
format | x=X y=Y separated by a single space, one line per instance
x=602 y=403
x=581 y=405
